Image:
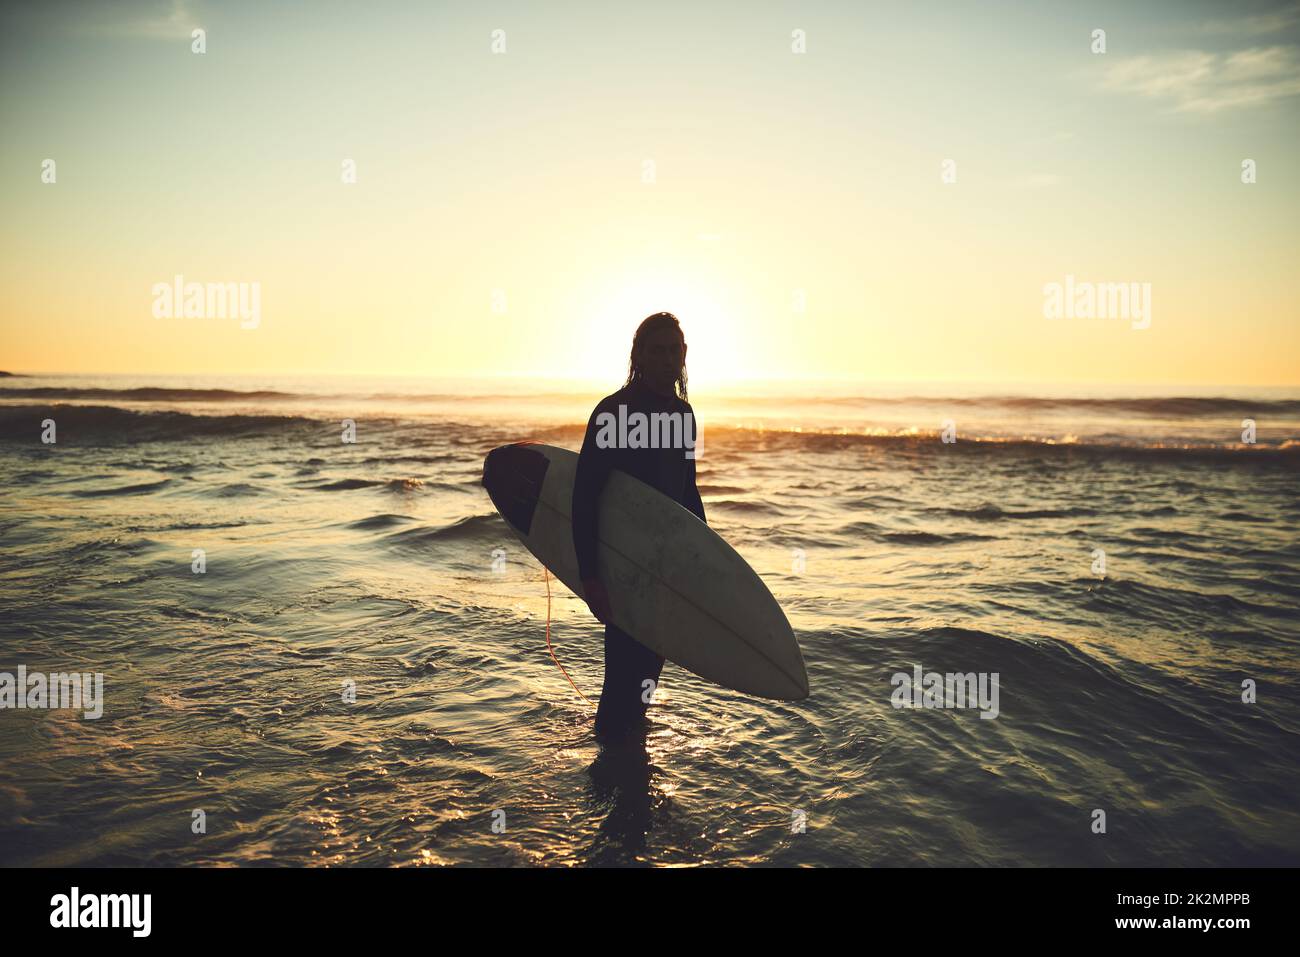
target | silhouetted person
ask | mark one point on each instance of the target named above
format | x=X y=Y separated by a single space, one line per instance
x=656 y=382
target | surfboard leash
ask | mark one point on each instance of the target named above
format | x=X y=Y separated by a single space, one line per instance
x=547 y=573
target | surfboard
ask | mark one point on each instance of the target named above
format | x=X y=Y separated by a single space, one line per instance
x=674 y=584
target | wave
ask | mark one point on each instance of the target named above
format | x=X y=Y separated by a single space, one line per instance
x=236 y=490
x=390 y=485
x=345 y=485
x=1287 y=452
x=934 y=538
x=383 y=520
x=1180 y=406
x=141 y=488
x=1156 y=406
x=147 y=394
x=466 y=529
x=992 y=513
x=101 y=425
x=1058 y=684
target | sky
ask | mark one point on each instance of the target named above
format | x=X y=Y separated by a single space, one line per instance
x=533 y=179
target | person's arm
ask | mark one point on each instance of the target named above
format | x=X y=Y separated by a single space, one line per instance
x=693 y=502
x=594 y=466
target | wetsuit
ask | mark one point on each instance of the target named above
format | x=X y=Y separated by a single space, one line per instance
x=628 y=663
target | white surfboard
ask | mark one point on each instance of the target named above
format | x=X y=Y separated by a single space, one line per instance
x=674 y=584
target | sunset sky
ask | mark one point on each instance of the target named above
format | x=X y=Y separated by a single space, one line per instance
x=777 y=176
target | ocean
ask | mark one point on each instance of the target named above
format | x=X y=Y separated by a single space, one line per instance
x=1126 y=562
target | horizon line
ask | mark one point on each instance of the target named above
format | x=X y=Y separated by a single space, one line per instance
x=728 y=383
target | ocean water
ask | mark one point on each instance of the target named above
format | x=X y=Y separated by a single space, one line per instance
x=1120 y=689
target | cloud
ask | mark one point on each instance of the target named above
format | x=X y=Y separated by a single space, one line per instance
x=1197 y=81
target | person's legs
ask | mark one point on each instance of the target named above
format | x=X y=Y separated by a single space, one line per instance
x=628 y=664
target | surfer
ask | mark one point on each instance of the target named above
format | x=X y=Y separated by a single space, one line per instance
x=656 y=384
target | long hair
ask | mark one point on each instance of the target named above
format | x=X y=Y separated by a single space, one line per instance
x=660 y=320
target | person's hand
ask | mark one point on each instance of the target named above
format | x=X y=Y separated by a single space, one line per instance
x=593 y=589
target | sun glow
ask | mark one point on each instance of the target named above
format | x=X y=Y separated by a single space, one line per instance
x=715 y=352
